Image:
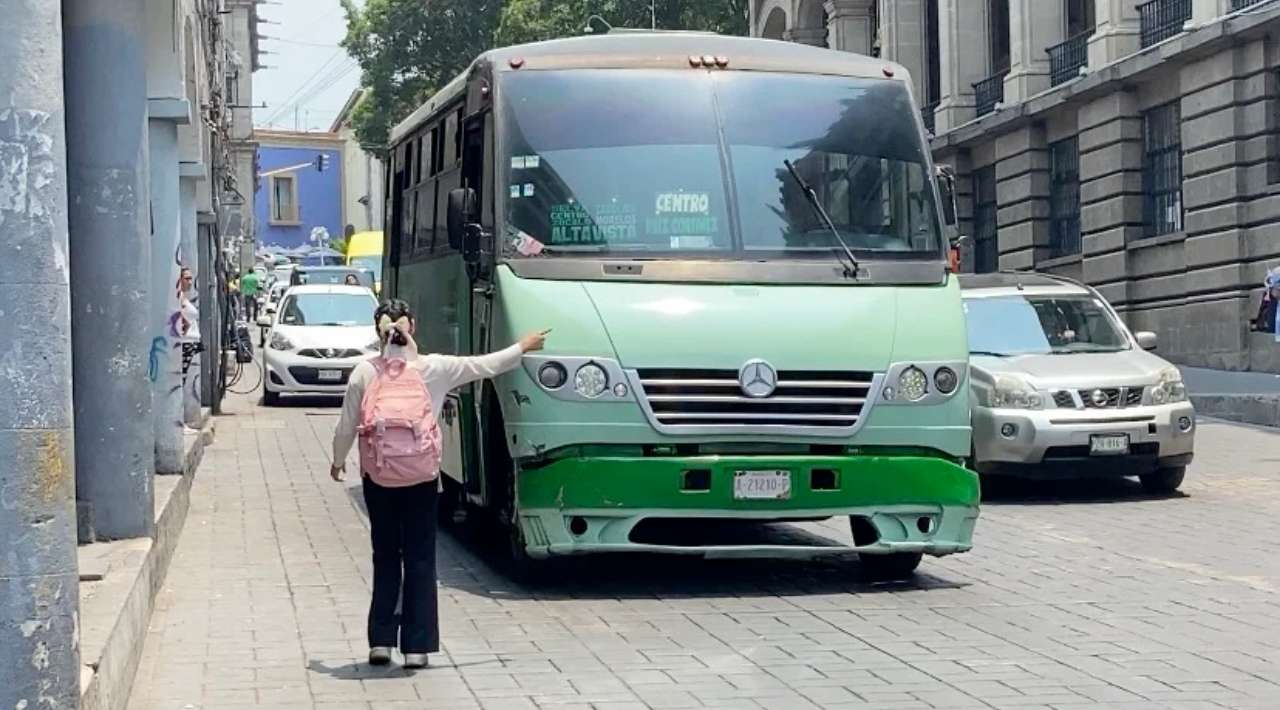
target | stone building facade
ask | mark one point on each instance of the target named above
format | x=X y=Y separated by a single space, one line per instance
x=1133 y=146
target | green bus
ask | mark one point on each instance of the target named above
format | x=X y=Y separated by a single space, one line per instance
x=741 y=249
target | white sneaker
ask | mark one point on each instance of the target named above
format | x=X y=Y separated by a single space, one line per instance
x=414 y=661
x=379 y=656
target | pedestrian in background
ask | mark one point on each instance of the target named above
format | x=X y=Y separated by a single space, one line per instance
x=1266 y=320
x=249 y=294
x=400 y=451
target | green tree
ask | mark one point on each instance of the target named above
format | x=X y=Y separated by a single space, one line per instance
x=536 y=20
x=408 y=49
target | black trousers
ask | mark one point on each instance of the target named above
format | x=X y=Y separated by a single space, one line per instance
x=402 y=526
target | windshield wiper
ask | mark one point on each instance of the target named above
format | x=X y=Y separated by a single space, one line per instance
x=988 y=352
x=851 y=269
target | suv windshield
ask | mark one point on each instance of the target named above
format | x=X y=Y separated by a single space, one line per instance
x=654 y=162
x=328 y=309
x=1041 y=325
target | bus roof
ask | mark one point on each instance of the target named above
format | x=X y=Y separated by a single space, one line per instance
x=365 y=244
x=658 y=50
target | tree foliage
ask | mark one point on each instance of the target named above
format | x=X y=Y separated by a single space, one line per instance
x=536 y=20
x=408 y=49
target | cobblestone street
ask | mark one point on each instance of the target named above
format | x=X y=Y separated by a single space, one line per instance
x=1076 y=595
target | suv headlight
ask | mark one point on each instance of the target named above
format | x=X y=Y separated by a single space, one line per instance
x=1169 y=388
x=279 y=342
x=1011 y=392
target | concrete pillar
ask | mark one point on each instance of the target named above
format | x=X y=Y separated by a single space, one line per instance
x=1034 y=26
x=110 y=260
x=166 y=346
x=1022 y=191
x=814 y=36
x=962 y=42
x=1116 y=33
x=851 y=24
x=39 y=652
x=1111 y=158
x=1206 y=11
x=904 y=40
x=190 y=258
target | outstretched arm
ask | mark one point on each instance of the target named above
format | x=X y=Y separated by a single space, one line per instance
x=458 y=371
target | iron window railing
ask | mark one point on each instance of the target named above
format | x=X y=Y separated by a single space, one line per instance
x=927 y=113
x=1064 y=197
x=1162 y=170
x=1162 y=19
x=986 y=246
x=1242 y=4
x=1067 y=59
x=989 y=92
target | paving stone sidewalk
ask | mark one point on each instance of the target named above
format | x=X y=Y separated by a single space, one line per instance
x=1077 y=595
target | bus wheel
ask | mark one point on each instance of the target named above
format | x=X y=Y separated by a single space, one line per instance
x=521 y=566
x=890 y=567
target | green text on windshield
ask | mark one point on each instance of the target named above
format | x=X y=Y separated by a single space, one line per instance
x=687 y=163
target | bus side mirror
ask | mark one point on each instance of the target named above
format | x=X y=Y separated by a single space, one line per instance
x=464 y=235
x=947 y=189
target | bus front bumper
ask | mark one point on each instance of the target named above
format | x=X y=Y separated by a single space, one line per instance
x=639 y=504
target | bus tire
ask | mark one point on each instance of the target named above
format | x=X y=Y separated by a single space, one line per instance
x=891 y=567
x=506 y=508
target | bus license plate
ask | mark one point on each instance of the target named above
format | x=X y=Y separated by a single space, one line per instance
x=762 y=485
x=1109 y=444
x=331 y=375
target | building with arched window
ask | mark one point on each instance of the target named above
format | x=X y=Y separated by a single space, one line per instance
x=1134 y=145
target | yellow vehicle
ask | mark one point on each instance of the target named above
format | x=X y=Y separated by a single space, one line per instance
x=365 y=250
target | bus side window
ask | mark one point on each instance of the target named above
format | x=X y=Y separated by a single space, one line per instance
x=474 y=164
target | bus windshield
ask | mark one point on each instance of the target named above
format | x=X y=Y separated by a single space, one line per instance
x=670 y=164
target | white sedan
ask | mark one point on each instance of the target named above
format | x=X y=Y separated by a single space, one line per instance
x=318 y=336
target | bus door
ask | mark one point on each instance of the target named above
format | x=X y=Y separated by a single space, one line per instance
x=476 y=151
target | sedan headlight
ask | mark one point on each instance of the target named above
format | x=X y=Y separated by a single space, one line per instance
x=590 y=381
x=1014 y=393
x=279 y=342
x=1169 y=388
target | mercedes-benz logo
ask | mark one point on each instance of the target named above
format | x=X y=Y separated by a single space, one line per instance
x=757 y=379
x=1099 y=398
x=330 y=353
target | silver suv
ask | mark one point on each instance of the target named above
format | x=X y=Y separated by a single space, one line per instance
x=1061 y=388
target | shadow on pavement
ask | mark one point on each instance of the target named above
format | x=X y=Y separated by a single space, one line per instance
x=307 y=401
x=1009 y=490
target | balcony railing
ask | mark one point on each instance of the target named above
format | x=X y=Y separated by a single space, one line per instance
x=1067 y=59
x=1162 y=19
x=989 y=92
x=1242 y=4
x=927 y=113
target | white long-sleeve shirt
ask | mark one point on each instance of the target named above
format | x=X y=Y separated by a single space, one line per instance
x=441 y=373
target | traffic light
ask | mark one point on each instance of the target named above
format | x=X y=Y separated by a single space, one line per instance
x=322 y=162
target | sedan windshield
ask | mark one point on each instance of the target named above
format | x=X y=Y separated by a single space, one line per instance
x=1026 y=325
x=328 y=309
x=666 y=164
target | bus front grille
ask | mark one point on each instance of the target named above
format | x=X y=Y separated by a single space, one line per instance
x=822 y=402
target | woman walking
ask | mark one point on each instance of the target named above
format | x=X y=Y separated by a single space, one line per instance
x=392 y=404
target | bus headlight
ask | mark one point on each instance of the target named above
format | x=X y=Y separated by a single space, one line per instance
x=552 y=375
x=913 y=384
x=590 y=381
x=946 y=380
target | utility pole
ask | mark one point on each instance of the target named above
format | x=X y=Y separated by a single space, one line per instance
x=39 y=582
x=653 y=12
x=105 y=83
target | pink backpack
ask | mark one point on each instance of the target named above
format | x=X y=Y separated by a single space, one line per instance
x=399 y=437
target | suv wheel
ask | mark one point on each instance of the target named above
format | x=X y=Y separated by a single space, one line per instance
x=1164 y=480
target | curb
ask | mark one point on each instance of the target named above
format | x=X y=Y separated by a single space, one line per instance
x=108 y=679
x=1256 y=409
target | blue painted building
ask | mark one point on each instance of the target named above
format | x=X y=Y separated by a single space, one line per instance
x=291 y=203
